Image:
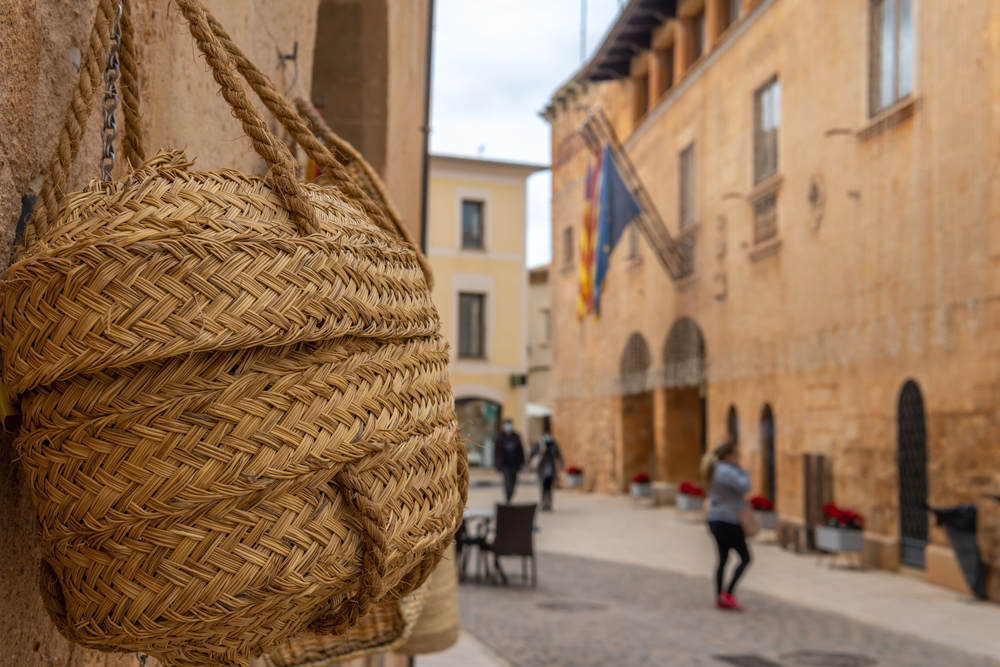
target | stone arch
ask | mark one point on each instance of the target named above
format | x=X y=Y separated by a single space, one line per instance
x=767 y=453
x=684 y=355
x=637 y=436
x=685 y=402
x=733 y=424
x=911 y=436
x=635 y=364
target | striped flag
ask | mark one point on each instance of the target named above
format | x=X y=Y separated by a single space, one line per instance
x=588 y=241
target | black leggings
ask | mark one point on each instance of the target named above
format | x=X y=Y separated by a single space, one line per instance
x=729 y=536
x=547 y=492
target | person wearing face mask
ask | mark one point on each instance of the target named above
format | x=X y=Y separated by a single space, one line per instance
x=509 y=457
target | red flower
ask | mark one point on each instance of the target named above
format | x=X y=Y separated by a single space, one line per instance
x=831 y=511
x=689 y=489
x=837 y=517
x=761 y=504
x=574 y=470
x=640 y=478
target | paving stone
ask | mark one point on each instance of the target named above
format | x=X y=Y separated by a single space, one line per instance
x=591 y=613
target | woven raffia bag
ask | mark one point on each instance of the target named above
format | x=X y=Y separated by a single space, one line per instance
x=238 y=423
x=385 y=627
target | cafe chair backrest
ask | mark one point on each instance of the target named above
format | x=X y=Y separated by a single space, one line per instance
x=514 y=530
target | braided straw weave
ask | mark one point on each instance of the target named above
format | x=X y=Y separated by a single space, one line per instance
x=384 y=628
x=238 y=423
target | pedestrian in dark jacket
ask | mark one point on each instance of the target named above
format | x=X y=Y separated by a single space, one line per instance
x=547 y=460
x=509 y=457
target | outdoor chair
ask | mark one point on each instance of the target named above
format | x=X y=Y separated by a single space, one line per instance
x=464 y=542
x=513 y=536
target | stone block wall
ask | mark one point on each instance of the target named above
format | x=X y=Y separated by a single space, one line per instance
x=884 y=269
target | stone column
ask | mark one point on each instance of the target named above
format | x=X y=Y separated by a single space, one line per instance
x=715 y=17
x=683 y=45
x=660 y=433
x=657 y=77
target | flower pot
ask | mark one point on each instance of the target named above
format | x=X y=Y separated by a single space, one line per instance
x=641 y=490
x=839 y=540
x=574 y=481
x=689 y=503
x=768 y=519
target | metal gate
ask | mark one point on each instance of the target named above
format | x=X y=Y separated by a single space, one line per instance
x=912 y=459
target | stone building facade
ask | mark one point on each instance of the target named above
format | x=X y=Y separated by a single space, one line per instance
x=830 y=171
x=539 y=351
x=41 y=42
x=476 y=247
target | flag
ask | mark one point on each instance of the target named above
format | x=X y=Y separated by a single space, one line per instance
x=588 y=240
x=617 y=208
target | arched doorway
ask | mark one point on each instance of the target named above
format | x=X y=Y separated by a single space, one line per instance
x=479 y=420
x=684 y=376
x=911 y=432
x=768 y=479
x=732 y=424
x=638 y=444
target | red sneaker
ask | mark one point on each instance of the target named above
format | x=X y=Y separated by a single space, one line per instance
x=731 y=602
x=723 y=601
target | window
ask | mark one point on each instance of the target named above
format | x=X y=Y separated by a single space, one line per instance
x=891 y=67
x=698 y=37
x=633 y=240
x=687 y=187
x=568 y=246
x=546 y=325
x=471 y=327
x=765 y=218
x=472 y=223
x=767 y=119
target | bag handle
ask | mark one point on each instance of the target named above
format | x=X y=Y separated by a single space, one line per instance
x=277 y=156
x=81 y=105
x=304 y=124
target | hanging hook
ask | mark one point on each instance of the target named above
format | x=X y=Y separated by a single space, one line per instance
x=294 y=57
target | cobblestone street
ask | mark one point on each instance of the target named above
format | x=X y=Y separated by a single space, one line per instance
x=590 y=613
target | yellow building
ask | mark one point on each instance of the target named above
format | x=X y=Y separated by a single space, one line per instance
x=476 y=246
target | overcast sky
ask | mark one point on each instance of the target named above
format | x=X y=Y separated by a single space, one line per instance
x=496 y=64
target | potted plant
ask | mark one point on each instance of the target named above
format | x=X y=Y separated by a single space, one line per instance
x=841 y=531
x=690 y=498
x=574 y=477
x=641 y=486
x=763 y=509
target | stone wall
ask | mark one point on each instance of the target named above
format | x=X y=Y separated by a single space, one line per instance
x=40 y=45
x=884 y=268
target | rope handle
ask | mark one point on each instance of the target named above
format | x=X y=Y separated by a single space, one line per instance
x=82 y=99
x=333 y=142
x=304 y=125
x=283 y=170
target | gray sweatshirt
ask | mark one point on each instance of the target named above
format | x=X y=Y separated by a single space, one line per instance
x=730 y=483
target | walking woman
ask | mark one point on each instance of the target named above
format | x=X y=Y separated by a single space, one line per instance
x=546 y=459
x=728 y=485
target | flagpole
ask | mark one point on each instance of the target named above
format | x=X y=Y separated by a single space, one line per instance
x=583 y=31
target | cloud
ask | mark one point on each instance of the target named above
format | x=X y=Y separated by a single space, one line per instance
x=496 y=64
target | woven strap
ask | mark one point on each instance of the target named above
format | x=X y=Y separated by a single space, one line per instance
x=303 y=124
x=279 y=160
x=82 y=104
x=347 y=154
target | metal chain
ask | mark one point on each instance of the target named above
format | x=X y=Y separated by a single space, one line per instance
x=142 y=658
x=112 y=71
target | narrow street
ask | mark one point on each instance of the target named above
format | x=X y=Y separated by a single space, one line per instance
x=626 y=584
